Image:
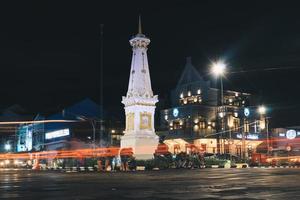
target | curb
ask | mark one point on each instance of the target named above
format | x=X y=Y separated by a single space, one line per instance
x=274 y=167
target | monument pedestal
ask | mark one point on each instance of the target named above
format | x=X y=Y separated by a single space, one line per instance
x=143 y=144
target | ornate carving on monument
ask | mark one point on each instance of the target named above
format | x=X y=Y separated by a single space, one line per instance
x=145 y=121
x=129 y=121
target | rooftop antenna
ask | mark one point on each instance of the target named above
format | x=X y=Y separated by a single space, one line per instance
x=140 y=25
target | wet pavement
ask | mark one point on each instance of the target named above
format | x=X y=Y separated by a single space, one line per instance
x=171 y=184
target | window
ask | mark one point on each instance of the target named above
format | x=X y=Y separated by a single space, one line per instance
x=202 y=125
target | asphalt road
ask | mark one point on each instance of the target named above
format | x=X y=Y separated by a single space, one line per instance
x=171 y=184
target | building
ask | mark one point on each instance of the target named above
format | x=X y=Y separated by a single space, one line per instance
x=140 y=102
x=196 y=116
x=77 y=126
x=10 y=118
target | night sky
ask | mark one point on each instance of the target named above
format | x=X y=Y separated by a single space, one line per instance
x=50 y=55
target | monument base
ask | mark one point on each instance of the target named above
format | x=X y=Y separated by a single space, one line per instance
x=143 y=144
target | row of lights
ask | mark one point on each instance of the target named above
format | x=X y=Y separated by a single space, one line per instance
x=190 y=93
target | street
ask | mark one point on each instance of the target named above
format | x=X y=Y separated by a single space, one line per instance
x=171 y=184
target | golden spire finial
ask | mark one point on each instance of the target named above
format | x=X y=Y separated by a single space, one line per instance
x=140 y=25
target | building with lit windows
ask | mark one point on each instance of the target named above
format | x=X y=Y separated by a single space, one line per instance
x=195 y=116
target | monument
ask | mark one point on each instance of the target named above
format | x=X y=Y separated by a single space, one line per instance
x=140 y=102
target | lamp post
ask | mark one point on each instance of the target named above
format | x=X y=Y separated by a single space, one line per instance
x=83 y=118
x=218 y=69
x=93 y=126
x=262 y=111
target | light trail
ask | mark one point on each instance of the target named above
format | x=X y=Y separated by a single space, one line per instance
x=264 y=69
x=78 y=153
x=38 y=121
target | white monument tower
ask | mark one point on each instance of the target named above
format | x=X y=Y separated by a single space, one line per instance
x=140 y=102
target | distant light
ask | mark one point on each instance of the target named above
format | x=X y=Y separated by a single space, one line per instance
x=198 y=91
x=291 y=134
x=7 y=147
x=113 y=131
x=189 y=93
x=236 y=114
x=246 y=112
x=181 y=95
x=262 y=110
x=221 y=114
x=218 y=68
x=166 y=117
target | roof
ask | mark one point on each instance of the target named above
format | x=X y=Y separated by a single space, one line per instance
x=189 y=74
x=85 y=108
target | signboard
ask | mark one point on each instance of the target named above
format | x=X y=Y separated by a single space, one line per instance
x=175 y=112
x=246 y=112
x=58 y=133
x=248 y=136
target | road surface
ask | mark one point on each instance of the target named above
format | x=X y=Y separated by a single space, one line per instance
x=170 y=184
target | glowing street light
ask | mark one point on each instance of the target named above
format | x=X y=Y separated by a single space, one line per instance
x=218 y=68
x=262 y=110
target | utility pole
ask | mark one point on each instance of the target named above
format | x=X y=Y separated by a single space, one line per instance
x=101 y=84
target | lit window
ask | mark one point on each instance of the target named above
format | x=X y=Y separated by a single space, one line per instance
x=221 y=114
x=236 y=94
x=185 y=101
x=230 y=100
x=235 y=114
x=198 y=91
x=196 y=128
x=180 y=122
x=202 y=125
x=196 y=121
x=195 y=99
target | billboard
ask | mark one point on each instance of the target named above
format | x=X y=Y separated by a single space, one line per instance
x=58 y=133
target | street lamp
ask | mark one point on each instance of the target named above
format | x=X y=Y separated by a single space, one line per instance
x=262 y=111
x=83 y=118
x=93 y=125
x=218 y=68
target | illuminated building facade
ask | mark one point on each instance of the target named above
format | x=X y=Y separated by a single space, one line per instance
x=67 y=135
x=196 y=116
x=140 y=102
